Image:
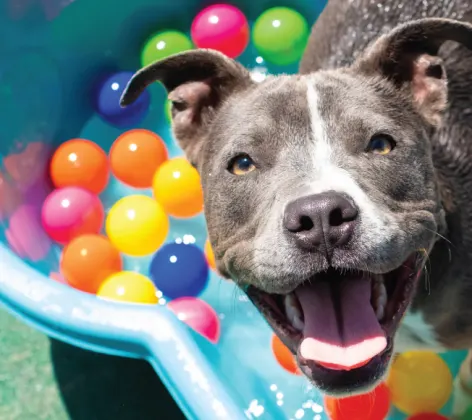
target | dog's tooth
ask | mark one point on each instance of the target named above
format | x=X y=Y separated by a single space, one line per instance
x=380 y=312
x=293 y=311
x=379 y=300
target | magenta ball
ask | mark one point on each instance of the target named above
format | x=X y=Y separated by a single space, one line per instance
x=25 y=234
x=198 y=315
x=221 y=27
x=70 y=212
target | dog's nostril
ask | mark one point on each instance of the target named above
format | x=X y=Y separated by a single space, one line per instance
x=336 y=217
x=306 y=223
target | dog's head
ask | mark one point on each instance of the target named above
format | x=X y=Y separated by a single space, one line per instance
x=320 y=192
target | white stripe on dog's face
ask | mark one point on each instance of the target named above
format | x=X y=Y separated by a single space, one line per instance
x=328 y=176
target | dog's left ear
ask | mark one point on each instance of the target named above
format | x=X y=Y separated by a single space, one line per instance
x=198 y=83
x=408 y=56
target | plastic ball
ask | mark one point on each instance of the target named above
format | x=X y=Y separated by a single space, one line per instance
x=135 y=157
x=221 y=27
x=107 y=102
x=179 y=270
x=209 y=255
x=372 y=406
x=280 y=35
x=177 y=188
x=80 y=163
x=70 y=212
x=467 y=414
x=10 y=198
x=57 y=277
x=26 y=236
x=284 y=356
x=88 y=260
x=163 y=45
x=128 y=286
x=168 y=111
x=427 y=416
x=419 y=381
x=198 y=315
x=137 y=225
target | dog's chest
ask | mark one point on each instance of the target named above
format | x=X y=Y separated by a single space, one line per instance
x=416 y=334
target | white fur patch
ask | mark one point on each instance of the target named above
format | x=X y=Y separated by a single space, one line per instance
x=415 y=334
x=328 y=177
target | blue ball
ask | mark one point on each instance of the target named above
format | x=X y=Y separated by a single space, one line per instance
x=179 y=270
x=107 y=102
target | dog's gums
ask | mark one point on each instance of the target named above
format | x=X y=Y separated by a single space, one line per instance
x=341 y=322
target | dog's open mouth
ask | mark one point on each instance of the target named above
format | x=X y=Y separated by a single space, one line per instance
x=341 y=320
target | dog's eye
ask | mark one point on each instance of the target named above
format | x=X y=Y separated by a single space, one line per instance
x=381 y=144
x=241 y=165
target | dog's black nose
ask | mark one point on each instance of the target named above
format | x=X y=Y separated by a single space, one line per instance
x=321 y=221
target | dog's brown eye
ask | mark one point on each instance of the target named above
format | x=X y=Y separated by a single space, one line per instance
x=241 y=165
x=381 y=144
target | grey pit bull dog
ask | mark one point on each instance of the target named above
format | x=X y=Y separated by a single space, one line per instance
x=340 y=198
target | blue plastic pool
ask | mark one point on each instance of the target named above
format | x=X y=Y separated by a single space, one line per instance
x=52 y=53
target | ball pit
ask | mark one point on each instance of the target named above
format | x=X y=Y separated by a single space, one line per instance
x=148 y=272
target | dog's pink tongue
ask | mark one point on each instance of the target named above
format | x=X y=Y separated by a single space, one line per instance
x=341 y=330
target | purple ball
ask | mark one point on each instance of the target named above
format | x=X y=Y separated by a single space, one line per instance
x=107 y=102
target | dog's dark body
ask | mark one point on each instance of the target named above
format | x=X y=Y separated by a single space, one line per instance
x=344 y=30
x=352 y=179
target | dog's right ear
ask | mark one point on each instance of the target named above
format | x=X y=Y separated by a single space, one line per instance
x=408 y=56
x=198 y=82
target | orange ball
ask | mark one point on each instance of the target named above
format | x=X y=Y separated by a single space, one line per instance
x=210 y=257
x=371 y=406
x=88 y=260
x=135 y=157
x=177 y=188
x=284 y=356
x=80 y=163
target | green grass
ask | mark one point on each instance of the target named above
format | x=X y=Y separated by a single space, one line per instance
x=43 y=379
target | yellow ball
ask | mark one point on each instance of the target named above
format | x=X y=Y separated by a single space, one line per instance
x=128 y=286
x=176 y=186
x=137 y=225
x=419 y=382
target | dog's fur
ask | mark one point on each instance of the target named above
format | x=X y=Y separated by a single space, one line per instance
x=307 y=134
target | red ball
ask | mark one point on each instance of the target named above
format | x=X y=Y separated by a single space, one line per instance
x=221 y=27
x=371 y=406
x=427 y=416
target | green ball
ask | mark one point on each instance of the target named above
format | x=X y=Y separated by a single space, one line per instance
x=467 y=415
x=168 y=111
x=163 y=45
x=280 y=35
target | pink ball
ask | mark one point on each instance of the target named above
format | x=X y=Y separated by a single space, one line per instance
x=70 y=212
x=221 y=27
x=198 y=315
x=25 y=234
